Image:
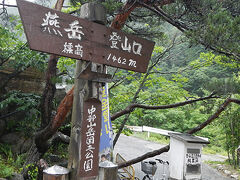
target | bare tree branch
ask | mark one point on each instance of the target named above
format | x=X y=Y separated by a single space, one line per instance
x=8 y=5
x=172 y=72
x=65 y=106
x=215 y=115
x=145 y=156
x=14 y=53
x=120 y=80
x=194 y=130
x=183 y=27
x=167 y=18
x=4 y=82
x=121 y=18
x=58 y=136
x=140 y=87
x=9 y=114
x=131 y=107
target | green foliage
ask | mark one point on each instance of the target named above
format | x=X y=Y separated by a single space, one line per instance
x=11 y=47
x=8 y=162
x=222 y=22
x=210 y=22
x=231 y=128
x=16 y=57
x=5 y=170
x=64 y=63
x=76 y=6
x=176 y=78
x=58 y=149
x=32 y=171
x=22 y=102
x=228 y=86
x=226 y=165
x=205 y=76
x=66 y=66
x=209 y=59
x=186 y=72
x=112 y=5
x=152 y=137
x=157 y=50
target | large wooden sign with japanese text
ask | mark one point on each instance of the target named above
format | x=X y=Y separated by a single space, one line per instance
x=54 y=32
x=90 y=138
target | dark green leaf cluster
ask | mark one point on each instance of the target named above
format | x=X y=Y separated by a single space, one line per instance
x=25 y=106
x=215 y=24
x=231 y=128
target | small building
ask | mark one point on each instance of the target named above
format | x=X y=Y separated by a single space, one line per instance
x=185 y=156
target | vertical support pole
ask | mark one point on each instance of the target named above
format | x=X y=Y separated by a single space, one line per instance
x=83 y=90
x=148 y=134
x=238 y=156
x=77 y=116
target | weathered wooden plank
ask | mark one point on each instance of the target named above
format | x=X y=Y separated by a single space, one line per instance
x=58 y=33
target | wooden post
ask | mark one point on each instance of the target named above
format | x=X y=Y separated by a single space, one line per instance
x=84 y=89
x=56 y=173
x=238 y=156
x=107 y=171
x=54 y=177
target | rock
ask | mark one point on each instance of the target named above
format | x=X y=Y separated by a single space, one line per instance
x=16 y=176
x=3 y=179
x=234 y=176
x=219 y=167
x=11 y=138
x=26 y=145
x=54 y=158
x=227 y=172
x=2 y=127
x=22 y=145
x=60 y=93
x=64 y=163
x=30 y=80
x=18 y=142
x=16 y=148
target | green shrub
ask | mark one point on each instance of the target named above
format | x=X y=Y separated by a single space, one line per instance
x=5 y=170
x=9 y=163
x=32 y=171
x=153 y=137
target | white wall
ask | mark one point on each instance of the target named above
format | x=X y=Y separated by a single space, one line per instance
x=176 y=158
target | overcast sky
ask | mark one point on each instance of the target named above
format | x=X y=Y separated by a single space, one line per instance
x=13 y=2
x=14 y=10
x=11 y=10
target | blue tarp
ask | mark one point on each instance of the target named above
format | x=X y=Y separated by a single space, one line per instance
x=106 y=138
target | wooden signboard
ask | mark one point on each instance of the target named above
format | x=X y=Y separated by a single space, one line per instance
x=90 y=138
x=58 y=33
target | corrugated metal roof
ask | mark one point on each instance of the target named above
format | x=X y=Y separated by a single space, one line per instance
x=188 y=138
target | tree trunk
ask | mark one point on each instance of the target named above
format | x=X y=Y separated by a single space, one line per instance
x=39 y=146
x=46 y=104
x=238 y=158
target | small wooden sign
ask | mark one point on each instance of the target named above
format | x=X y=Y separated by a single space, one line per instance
x=90 y=138
x=58 y=33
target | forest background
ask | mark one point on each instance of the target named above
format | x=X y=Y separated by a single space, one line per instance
x=195 y=61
